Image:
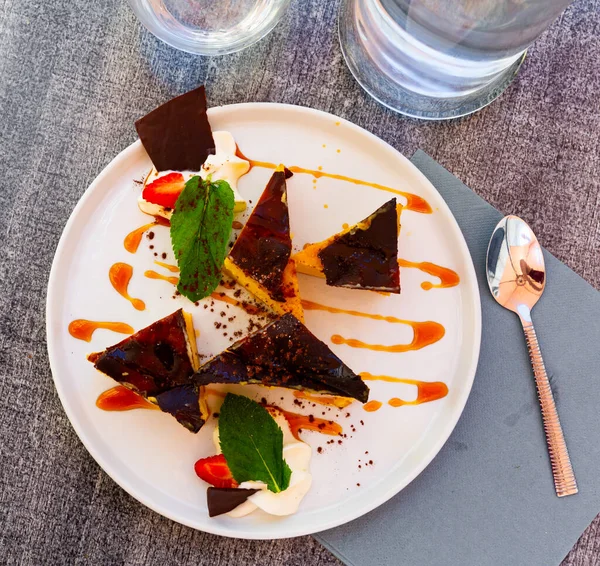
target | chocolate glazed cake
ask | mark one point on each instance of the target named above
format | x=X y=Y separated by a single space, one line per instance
x=284 y=354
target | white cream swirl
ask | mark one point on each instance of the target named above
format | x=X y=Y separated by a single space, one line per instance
x=223 y=165
x=297 y=454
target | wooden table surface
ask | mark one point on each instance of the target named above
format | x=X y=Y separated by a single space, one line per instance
x=74 y=75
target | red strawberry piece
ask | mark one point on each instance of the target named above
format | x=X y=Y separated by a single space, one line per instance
x=215 y=471
x=165 y=190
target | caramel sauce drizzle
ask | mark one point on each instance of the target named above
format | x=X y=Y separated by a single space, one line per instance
x=120 y=275
x=153 y=275
x=372 y=406
x=414 y=202
x=339 y=402
x=427 y=391
x=132 y=241
x=425 y=334
x=84 y=329
x=308 y=422
x=167 y=266
x=447 y=277
x=121 y=398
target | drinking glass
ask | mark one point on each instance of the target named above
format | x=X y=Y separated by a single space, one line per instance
x=437 y=59
x=209 y=27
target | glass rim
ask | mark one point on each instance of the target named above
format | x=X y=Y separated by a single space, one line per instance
x=208 y=43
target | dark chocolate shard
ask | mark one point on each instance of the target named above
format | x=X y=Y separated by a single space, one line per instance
x=284 y=354
x=153 y=360
x=366 y=257
x=264 y=246
x=221 y=500
x=177 y=134
x=184 y=403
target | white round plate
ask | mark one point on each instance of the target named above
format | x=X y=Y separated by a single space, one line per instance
x=147 y=452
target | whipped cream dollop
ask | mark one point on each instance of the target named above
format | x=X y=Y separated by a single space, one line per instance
x=297 y=454
x=223 y=165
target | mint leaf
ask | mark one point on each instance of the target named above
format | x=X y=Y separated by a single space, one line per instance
x=200 y=229
x=252 y=443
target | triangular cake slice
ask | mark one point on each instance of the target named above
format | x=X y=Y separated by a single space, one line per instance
x=158 y=362
x=363 y=256
x=284 y=354
x=260 y=258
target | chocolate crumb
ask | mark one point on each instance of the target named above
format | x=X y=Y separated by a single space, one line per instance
x=371 y=462
x=217 y=325
x=357 y=485
x=216 y=415
x=339 y=441
x=164 y=255
x=151 y=247
x=205 y=306
x=362 y=423
x=197 y=303
x=319 y=450
x=366 y=451
x=321 y=426
x=150 y=235
x=311 y=419
x=263 y=401
x=347 y=415
x=223 y=313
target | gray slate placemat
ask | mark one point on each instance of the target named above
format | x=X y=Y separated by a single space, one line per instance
x=488 y=497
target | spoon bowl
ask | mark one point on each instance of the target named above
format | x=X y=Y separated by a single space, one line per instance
x=516 y=272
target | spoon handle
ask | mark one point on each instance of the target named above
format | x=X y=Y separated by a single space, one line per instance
x=564 y=477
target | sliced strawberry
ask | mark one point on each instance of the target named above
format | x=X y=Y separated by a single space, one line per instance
x=214 y=470
x=165 y=190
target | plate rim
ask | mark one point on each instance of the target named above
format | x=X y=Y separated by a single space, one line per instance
x=383 y=495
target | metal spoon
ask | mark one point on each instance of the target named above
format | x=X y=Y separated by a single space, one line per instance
x=516 y=276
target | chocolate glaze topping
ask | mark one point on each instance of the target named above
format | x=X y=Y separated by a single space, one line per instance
x=152 y=360
x=366 y=259
x=183 y=403
x=155 y=362
x=177 y=135
x=284 y=354
x=264 y=245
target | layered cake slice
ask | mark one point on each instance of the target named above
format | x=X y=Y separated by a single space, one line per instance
x=284 y=354
x=363 y=256
x=158 y=362
x=260 y=258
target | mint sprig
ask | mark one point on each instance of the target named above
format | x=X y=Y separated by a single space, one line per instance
x=252 y=443
x=200 y=230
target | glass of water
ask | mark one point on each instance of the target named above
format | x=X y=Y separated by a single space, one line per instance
x=438 y=59
x=209 y=27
